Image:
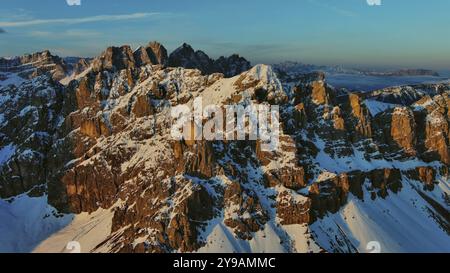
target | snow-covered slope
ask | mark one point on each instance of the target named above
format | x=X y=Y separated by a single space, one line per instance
x=89 y=230
x=401 y=223
x=27 y=221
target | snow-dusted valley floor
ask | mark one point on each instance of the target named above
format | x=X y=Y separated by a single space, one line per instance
x=89 y=230
x=26 y=222
x=29 y=224
x=400 y=223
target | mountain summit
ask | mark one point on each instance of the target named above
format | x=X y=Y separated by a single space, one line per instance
x=185 y=56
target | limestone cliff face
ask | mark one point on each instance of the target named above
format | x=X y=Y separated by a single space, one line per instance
x=314 y=86
x=432 y=116
x=437 y=135
x=114 y=58
x=185 y=56
x=154 y=53
x=37 y=64
x=328 y=195
x=360 y=116
x=403 y=129
x=293 y=209
x=29 y=117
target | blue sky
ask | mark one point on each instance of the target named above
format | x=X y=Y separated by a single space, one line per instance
x=399 y=33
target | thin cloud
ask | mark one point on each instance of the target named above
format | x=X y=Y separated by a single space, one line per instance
x=68 y=33
x=337 y=10
x=92 y=19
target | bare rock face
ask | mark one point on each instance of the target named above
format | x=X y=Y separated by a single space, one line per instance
x=293 y=208
x=160 y=53
x=33 y=65
x=314 y=86
x=115 y=59
x=244 y=214
x=361 y=116
x=142 y=57
x=94 y=128
x=80 y=66
x=403 y=129
x=281 y=167
x=319 y=94
x=119 y=58
x=319 y=112
x=29 y=116
x=231 y=66
x=84 y=94
x=437 y=135
x=383 y=180
x=328 y=195
x=427 y=176
x=180 y=210
x=291 y=178
x=356 y=180
x=300 y=116
x=185 y=56
x=432 y=115
x=83 y=191
x=338 y=120
x=182 y=230
x=197 y=159
x=424 y=175
x=154 y=53
x=142 y=106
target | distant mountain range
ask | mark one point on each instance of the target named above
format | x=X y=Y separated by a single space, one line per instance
x=296 y=67
x=356 y=79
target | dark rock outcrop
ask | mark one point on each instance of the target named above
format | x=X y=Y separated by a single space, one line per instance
x=185 y=56
x=293 y=208
x=154 y=53
x=32 y=65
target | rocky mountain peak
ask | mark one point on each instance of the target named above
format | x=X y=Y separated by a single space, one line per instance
x=32 y=65
x=154 y=53
x=403 y=129
x=314 y=86
x=186 y=56
x=114 y=58
x=159 y=52
x=231 y=66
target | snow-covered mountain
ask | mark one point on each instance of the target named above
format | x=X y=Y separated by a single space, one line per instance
x=88 y=157
x=358 y=79
x=32 y=65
